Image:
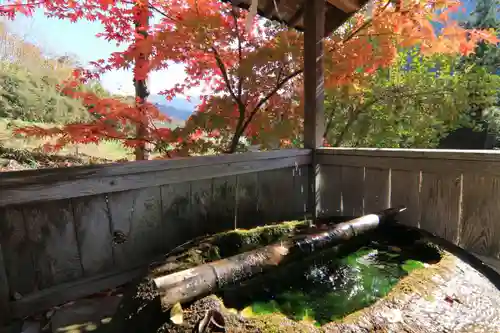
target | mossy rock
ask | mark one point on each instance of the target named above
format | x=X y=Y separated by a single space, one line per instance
x=141 y=310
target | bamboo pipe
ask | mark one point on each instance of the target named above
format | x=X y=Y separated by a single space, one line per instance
x=202 y=280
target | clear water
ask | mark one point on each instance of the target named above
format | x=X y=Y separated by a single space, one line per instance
x=327 y=288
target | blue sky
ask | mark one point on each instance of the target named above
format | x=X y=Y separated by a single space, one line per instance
x=62 y=37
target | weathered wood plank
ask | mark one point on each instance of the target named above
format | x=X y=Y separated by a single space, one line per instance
x=17 y=257
x=430 y=165
x=93 y=232
x=481 y=215
x=376 y=190
x=44 y=185
x=222 y=214
x=440 y=204
x=201 y=204
x=62 y=293
x=275 y=194
x=298 y=208
x=41 y=176
x=330 y=191
x=52 y=239
x=137 y=215
x=439 y=154
x=405 y=190
x=4 y=291
x=352 y=191
x=247 y=213
x=178 y=225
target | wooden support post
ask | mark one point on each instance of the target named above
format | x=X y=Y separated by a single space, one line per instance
x=314 y=95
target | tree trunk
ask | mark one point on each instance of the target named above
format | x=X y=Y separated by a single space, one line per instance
x=141 y=89
x=190 y=284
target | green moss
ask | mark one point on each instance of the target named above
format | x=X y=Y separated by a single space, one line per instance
x=226 y=244
x=241 y=240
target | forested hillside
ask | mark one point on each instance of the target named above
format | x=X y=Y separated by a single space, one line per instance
x=28 y=83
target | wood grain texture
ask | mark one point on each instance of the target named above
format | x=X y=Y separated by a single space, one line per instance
x=43 y=176
x=439 y=154
x=177 y=222
x=62 y=183
x=376 y=190
x=201 y=204
x=137 y=215
x=314 y=78
x=430 y=165
x=17 y=256
x=352 y=191
x=405 y=190
x=480 y=231
x=52 y=239
x=62 y=293
x=330 y=187
x=247 y=213
x=298 y=207
x=223 y=211
x=275 y=194
x=93 y=231
x=440 y=204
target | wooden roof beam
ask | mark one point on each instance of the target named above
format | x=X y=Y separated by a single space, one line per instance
x=347 y=6
x=297 y=15
x=270 y=7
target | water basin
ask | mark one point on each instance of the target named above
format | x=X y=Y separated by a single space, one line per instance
x=333 y=283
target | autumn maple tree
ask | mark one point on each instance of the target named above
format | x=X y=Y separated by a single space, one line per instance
x=253 y=75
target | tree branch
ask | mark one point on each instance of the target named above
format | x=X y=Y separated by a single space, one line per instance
x=270 y=94
x=240 y=51
x=222 y=67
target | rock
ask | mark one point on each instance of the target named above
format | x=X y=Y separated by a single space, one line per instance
x=85 y=314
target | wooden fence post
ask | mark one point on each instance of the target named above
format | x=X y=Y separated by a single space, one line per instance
x=314 y=95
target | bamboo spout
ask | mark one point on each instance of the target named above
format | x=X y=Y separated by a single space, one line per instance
x=187 y=285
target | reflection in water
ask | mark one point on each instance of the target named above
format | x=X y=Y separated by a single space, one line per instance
x=328 y=288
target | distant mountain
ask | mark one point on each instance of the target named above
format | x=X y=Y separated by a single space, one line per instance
x=178 y=108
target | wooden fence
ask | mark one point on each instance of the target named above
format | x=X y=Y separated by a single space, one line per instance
x=453 y=194
x=57 y=225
